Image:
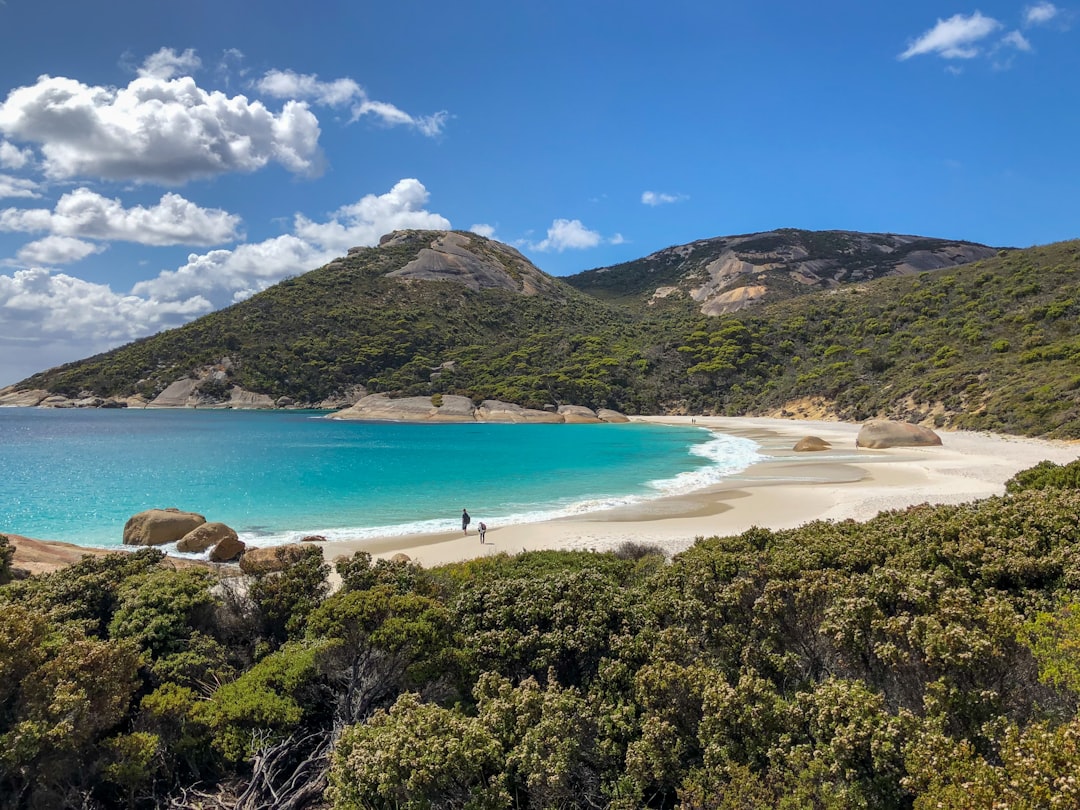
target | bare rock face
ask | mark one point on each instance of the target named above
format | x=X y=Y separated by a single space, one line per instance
x=608 y=415
x=26 y=399
x=577 y=414
x=452 y=408
x=271 y=558
x=155 y=527
x=175 y=395
x=380 y=407
x=466 y=258
x=878 y=434
x=811 y=444
x=493 y=410
x=229 y=548
x=204 y=536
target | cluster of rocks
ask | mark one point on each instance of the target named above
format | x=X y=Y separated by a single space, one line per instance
x=39 y=398
x=190 y=531
x=193 y=534
x=451 y=408
x=878 y=434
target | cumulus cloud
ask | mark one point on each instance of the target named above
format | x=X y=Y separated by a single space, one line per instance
x=85 y=213
x=55 y=306
x=568 y=234
x=1040 y=13
x=954 y=38
x=57 y=250
x=231 y=275
x=157 y=129
x=655 y=198
x=12 y=157
x=363 y=222
x=345 y=92
x=483 y=229
x=17 y=187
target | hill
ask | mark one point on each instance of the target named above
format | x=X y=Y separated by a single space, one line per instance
x=423 y=312
x=991 y=344
x=729 y=273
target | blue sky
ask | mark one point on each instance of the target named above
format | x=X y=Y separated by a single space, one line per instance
x=158 y=161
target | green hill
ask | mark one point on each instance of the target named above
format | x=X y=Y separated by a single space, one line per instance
x=990 y=344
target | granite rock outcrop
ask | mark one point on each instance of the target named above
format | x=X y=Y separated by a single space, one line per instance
x=156 y=527
x=878 y=434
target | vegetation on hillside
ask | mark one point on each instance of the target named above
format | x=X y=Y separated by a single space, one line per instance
x=987 y=346
x=926 y=658
x=990 y=345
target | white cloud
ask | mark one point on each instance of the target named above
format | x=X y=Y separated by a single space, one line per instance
x=222 y=274
x=56 y=306
x=1040 y=13
x=17 y=187
x=230 y=275
x=655 y=198
x=57 y=250
x=1016 y=40
x=342 y=92
x=157 y=130
x=12 y=157
x=85 y=213
x=363 y=222
x=483 y=229
x=167 y=63
x=954 y=38
x=568 y=234
x=287 y=84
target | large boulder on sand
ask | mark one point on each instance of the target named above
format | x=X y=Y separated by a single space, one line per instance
x=878 y=434
x=810 y=444
x=203 y=537
x=155 y=527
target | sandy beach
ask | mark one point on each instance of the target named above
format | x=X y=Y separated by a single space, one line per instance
x=785 y=490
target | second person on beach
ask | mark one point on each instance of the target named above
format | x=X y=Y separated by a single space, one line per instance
x=465 y=520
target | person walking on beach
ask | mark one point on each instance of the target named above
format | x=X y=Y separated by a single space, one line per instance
x=483 y=529
x=465 y=520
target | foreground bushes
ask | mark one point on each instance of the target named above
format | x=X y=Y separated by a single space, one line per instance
x=927 y=658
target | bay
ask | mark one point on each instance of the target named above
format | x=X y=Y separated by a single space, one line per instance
x=275 y=476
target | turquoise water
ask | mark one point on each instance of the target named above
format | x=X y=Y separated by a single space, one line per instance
x=78 y=475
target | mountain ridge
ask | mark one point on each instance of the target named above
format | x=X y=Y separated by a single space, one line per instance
x=727 y=273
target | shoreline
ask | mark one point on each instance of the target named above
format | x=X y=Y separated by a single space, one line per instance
x=785 y=490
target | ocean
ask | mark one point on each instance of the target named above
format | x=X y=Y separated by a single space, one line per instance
x=276 y=476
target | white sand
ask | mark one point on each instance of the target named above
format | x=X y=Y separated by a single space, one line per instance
x=786 y=490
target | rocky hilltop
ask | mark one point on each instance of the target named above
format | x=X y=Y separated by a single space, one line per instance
x=726 y=274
